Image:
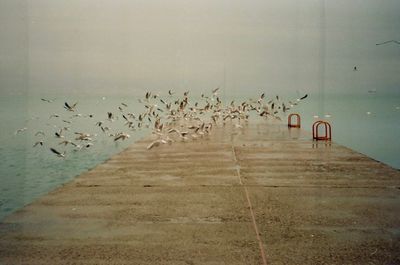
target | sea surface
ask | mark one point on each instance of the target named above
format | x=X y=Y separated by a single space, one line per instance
x=368 y=123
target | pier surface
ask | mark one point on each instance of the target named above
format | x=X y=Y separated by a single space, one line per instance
x=261 y=194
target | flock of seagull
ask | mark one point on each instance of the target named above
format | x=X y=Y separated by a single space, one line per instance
x=170 y=118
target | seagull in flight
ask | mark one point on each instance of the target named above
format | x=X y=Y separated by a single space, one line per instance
x=20 y=130
x=37 y=143
x=389 y=41
x=40 y=133
x=121 y=136
x=47 y=100
x=57 y=153
x=69 y=107
x=156 y=143
x=214 y=91
x=303 y=97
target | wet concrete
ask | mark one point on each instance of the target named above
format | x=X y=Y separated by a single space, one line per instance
x=200 y=202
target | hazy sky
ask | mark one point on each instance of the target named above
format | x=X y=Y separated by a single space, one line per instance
x=246 y=46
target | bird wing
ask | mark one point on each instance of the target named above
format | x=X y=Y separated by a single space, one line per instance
x=152 y=144
x=386 y=42
x=55 y=151
x=172 y=130
x=303 y=97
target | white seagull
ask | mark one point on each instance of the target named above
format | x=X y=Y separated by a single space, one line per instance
x=58 y=153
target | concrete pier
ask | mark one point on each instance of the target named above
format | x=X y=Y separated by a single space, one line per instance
x=261 y=194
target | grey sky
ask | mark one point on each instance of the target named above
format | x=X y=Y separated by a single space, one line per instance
x=247 y=46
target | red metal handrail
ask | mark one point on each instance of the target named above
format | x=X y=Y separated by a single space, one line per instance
x=328 y=131
x=295 y=125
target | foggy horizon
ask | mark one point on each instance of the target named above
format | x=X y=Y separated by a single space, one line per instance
x=128 y=47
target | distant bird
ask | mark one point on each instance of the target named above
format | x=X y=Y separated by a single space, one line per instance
x=148 y=94
x=104 y=129
x=59 y=134
x=69 y=107
x=284 y=108
x=65 y=142
x=20 y=130
x=261 y=98
x=121 y=136
x=303 y=97
x=76 y=145
x=214 y=91
x=180 y=134
x=58 y=153
x=389 y=41
x=87 y=145
x=355 y=68
x=83 y=136
x=110 y=116
x=40 y=133
x=37 y=143
x=47 y=100
x=156 y=143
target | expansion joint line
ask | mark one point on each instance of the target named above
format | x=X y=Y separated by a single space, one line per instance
x=250 y=206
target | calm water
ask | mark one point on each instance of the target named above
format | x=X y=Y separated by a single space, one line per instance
x=26 y=172
x=368 y=123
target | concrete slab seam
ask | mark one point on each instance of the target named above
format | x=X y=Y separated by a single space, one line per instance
x=250 y=206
